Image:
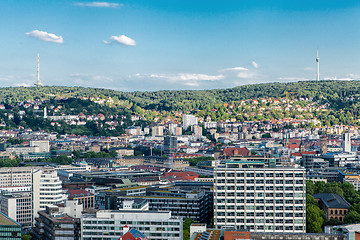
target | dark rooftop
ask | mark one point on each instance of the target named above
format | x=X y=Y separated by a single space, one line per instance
x=332 y=200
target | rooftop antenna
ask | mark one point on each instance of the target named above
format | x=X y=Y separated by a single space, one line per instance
x=38 y=82
x=317 y=65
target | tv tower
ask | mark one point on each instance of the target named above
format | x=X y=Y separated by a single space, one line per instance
x=317 y=65
x=38 y=82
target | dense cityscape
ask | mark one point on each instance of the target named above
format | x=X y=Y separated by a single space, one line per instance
x=181 y=177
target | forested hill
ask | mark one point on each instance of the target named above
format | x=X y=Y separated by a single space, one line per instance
x=333 y=91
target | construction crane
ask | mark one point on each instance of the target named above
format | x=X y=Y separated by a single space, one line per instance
x=287 y=95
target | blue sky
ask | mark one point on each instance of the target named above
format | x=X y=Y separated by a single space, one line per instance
x=169 y=44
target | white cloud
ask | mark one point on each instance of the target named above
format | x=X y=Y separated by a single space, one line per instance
x=309 y=69
x=23 y=85
x=45 y=36
x=339 y=78
x=99 y=4
x=254 y=64
x=175 y=81
x=79 y=78
x=354 y=76
x=236 y=69
x=246 y=74
x=122 y=39
x=292 y=79
x=186 y=77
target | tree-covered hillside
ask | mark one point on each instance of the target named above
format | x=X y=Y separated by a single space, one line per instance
x=333 y=91
x=330 y=102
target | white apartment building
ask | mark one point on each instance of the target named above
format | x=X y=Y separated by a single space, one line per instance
x=109 y=224
x=189 y=120
x=248 y=196
x=46 y=187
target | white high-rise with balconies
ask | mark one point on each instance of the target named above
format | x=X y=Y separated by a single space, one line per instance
x=46 y=187
x=248 y=196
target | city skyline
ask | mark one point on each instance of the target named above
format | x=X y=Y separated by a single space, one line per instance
x=143 y=46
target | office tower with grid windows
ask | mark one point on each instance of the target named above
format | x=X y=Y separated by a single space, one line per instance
x=248 y=196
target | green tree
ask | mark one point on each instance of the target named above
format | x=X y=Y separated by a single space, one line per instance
x=186 y=228
x=314 y=219
x=310 y=187
x=26 y=237
x=352 y=217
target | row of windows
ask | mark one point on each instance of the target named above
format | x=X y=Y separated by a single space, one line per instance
x=129 y=222
x=278 y=175
x=241 y=220
x=263 y=214
x=290 y=195
x=252 y=181
x=252 y=207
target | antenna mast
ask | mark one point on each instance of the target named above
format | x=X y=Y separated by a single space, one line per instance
x=317 y=66
x=38 y=82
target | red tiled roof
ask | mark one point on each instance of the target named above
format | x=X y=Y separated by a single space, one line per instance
x=181 y=175
x=293 y=146
x=236 y=151
x=308 y=153
x=73 y=193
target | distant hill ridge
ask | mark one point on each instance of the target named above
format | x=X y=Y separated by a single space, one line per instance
x=179 y=99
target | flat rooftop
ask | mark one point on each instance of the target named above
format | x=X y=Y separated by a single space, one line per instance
x=5 y=220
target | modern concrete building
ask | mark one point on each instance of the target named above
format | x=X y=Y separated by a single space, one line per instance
x=186 y=204
x=109 y=224
x=58 y=223
x=341 y=159
x=16 y=202
x=16 y=176
x=248 y=196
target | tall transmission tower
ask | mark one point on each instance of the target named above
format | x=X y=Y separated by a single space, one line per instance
x=38 y=82
x=317 y=66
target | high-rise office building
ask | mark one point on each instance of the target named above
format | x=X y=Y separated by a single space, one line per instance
x=248 y=196
x=346 y=142
x=170 y=144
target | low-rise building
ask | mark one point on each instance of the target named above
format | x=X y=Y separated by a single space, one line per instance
x=85 y=198
x=334 y=206
x=58 y=223
x=110 y=224
x=16 y=202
